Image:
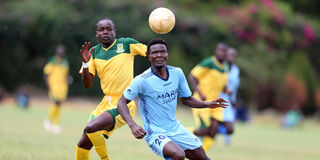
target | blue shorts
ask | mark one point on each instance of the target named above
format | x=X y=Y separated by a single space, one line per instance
x=181 y=136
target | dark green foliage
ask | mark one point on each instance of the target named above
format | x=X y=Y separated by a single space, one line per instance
x=264 y=32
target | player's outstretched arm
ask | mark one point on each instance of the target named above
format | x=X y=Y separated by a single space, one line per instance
x=87 y=77
x=195 y=103
x=136 y=130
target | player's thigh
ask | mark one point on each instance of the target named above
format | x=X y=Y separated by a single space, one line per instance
x=196 y=154
x=172 y=150
x=102 y=122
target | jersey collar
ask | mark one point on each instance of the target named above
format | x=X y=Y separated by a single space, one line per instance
x=159 y=76
x=220 y=65
x=106 y=49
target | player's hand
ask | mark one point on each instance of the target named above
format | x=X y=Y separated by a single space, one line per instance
x=219 y=102
x=84 y=52
x=138 y=131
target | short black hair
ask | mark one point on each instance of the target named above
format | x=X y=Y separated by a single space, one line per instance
x=108 y=19
x=156 y=41
x=222 y=44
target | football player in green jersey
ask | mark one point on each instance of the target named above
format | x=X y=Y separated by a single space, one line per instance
x=112 y=61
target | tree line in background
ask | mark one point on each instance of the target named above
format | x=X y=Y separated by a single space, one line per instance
x=277 y=47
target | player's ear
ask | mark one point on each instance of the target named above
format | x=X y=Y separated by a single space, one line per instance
x=148 y=56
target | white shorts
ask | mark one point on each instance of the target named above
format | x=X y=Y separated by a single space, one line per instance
x=182 y=137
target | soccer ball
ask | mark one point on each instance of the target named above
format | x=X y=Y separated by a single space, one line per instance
x=161 y=20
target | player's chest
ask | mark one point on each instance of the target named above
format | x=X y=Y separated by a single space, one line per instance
x=163 y=92
x=107 y=54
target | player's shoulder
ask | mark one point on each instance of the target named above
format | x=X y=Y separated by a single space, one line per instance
x=206 y=62
x=146 y=74
x=95 y=49
x=174 y=68
x=65 y=62
x=51 y=59
x=236 y=68
x=127 y=40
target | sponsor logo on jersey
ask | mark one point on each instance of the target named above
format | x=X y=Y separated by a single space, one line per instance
x=120 y=48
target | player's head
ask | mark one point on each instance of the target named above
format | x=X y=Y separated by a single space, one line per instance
x=60 y=50
x=221 y=51
x=157 y=52
x=231 y=55
x=105 y=31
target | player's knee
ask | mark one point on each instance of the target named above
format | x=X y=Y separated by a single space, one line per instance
x=57 y=103
x=84 y=144
x=178 y=155
x=230 y=130
x=90 y=128
x=212 y=132
x=203 y=157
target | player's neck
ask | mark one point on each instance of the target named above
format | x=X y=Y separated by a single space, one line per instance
x=160 y=71
x=107 y=45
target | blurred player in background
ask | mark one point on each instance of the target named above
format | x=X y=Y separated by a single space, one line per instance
x=230 y=94
x=56 y=73
x=158 y=89
x=112 y=60
x=208 y=80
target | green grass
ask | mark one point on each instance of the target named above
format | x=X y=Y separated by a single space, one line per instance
x=22 y=137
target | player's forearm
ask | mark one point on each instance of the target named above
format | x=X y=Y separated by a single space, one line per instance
x=87 y=78
x=194 y=103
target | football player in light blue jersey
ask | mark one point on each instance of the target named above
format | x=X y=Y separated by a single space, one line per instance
x=158 y=89
x=230 y=94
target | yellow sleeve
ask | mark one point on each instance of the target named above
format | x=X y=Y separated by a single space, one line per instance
x=138 y=49
x=92 y=67
x=47 y=68
x=199 y=72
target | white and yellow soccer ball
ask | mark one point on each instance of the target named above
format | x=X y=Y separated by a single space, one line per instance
x=161 y=20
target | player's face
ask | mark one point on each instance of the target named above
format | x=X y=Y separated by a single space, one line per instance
x=221 y=52
x=60 y=52
x=105 y=32
x=158 y=55
x=231 y=56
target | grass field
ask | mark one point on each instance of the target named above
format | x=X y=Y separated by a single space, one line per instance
x=22 y=136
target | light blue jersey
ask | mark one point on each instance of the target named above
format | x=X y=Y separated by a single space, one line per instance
x=232 y=85
x=233 y=82
x=158 y=98
x=158 y=103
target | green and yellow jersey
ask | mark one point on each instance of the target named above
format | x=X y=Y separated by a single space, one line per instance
x=57 y=71
x=114 y=65
x=212 y=77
